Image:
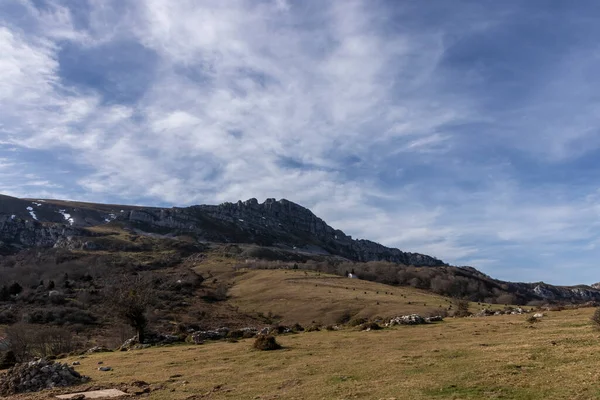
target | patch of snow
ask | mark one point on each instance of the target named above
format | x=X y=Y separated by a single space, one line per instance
x=263 y=218
x=13 y=216
x=241 y=220
x=111 y=217
x=43 y=201
x=32 y=213
x=122 y=210
x=335 y=237
x=36 y=204
x=67 y=216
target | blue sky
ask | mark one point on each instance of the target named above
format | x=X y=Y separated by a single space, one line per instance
x=468 y=130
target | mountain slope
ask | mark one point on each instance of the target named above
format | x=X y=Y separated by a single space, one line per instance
x=273 y=230
x=272 y=223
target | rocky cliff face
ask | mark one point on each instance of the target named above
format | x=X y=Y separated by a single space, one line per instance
x=274 y=222
x=31 y=233
x=26 y=223
x=575 y=294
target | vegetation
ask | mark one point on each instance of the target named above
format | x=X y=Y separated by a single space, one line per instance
x=461 y=358
x=596 y=318
x=264 y=342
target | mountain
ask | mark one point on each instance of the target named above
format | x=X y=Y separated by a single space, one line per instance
x=273 y=230
x=279 y=223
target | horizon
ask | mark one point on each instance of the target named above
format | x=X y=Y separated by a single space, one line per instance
x=467 y=131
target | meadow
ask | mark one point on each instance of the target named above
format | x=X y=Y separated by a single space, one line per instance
x=496 y=357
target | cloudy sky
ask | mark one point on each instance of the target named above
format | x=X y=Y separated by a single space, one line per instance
x=468 y=130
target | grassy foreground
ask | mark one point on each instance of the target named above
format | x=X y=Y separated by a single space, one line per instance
x=500 y=357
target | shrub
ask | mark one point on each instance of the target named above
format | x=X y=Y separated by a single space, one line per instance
x=596 y=318
x=531 y=319
x=344 y=318
x=266 y=343
x=357 y=321
x=27 y=341
x=7 y=317
x=462 y=309
x=313 y=328
x=297 y=328
x=235 y=334
x=248 y=335
x=372 y=326
x=8 y=360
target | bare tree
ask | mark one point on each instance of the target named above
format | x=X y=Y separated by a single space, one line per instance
x=130 y=297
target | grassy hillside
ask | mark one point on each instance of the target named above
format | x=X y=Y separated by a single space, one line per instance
x=473 y=358
x=307 y=297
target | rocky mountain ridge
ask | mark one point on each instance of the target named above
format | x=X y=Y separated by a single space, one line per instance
x=28 y=223
x=281 y=223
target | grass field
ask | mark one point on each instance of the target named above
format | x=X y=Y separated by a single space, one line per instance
x=307 y=297
x=498 y=357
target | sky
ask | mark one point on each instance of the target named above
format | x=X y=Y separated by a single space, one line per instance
x=466 y=130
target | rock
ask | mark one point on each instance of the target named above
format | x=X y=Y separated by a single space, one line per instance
x=38 y=375
x=538 y=315
x=98 y=349
x=412 y=319
x=75 y=363
x=104 y=369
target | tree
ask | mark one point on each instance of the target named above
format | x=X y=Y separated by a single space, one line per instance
x=15 y=288
x=130 y=297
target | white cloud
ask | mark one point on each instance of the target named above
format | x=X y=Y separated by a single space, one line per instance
x=271 y=99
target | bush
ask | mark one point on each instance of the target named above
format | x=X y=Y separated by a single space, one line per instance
x=7 y=317
x=27 y=341
x=235 y=334
x=266 y=343
x=344 y=318
x=462 y=309
x=372 y=326
x=531 y=319
x=357 y=321
x=8 y=360
x=596 y=318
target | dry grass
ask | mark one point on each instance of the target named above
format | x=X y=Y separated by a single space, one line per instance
x=304 y=297
x=499 y=357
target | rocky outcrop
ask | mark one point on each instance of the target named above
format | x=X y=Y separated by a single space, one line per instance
x=30 y=233
x=282 y=223
x=273 y=223
x=576 y=294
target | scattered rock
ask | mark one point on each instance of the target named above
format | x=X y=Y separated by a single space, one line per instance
x=98 y=349
x=105 y=369
x=38 y=375
x=412 y=319
x=75 y=363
